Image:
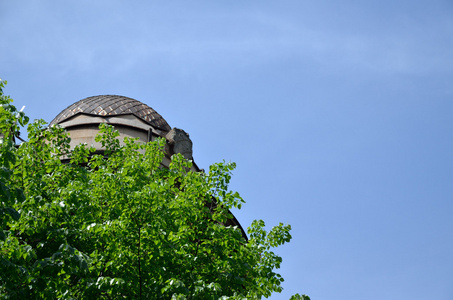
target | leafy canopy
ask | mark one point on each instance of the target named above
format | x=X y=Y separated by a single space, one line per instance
x=118 y=225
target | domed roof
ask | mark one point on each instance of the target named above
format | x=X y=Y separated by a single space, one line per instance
x=111 y=105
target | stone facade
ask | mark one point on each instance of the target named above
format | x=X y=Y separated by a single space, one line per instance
x=130 y=118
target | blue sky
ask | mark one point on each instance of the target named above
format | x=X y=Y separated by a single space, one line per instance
x=339 y=115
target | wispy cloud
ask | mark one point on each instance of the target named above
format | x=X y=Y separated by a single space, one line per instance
x=249 y=38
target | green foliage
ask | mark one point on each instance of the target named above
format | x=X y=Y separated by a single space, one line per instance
x=120 y=226
x=299 y=297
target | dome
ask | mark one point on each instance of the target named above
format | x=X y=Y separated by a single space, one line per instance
x=112 y=105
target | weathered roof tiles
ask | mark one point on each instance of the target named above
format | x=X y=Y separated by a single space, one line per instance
x=110 y=105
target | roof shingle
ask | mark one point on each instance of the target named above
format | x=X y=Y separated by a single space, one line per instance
x=110 y=105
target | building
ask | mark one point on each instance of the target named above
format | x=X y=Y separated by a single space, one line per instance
x=131 y=118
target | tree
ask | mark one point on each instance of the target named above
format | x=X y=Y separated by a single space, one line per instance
x=117 y=225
